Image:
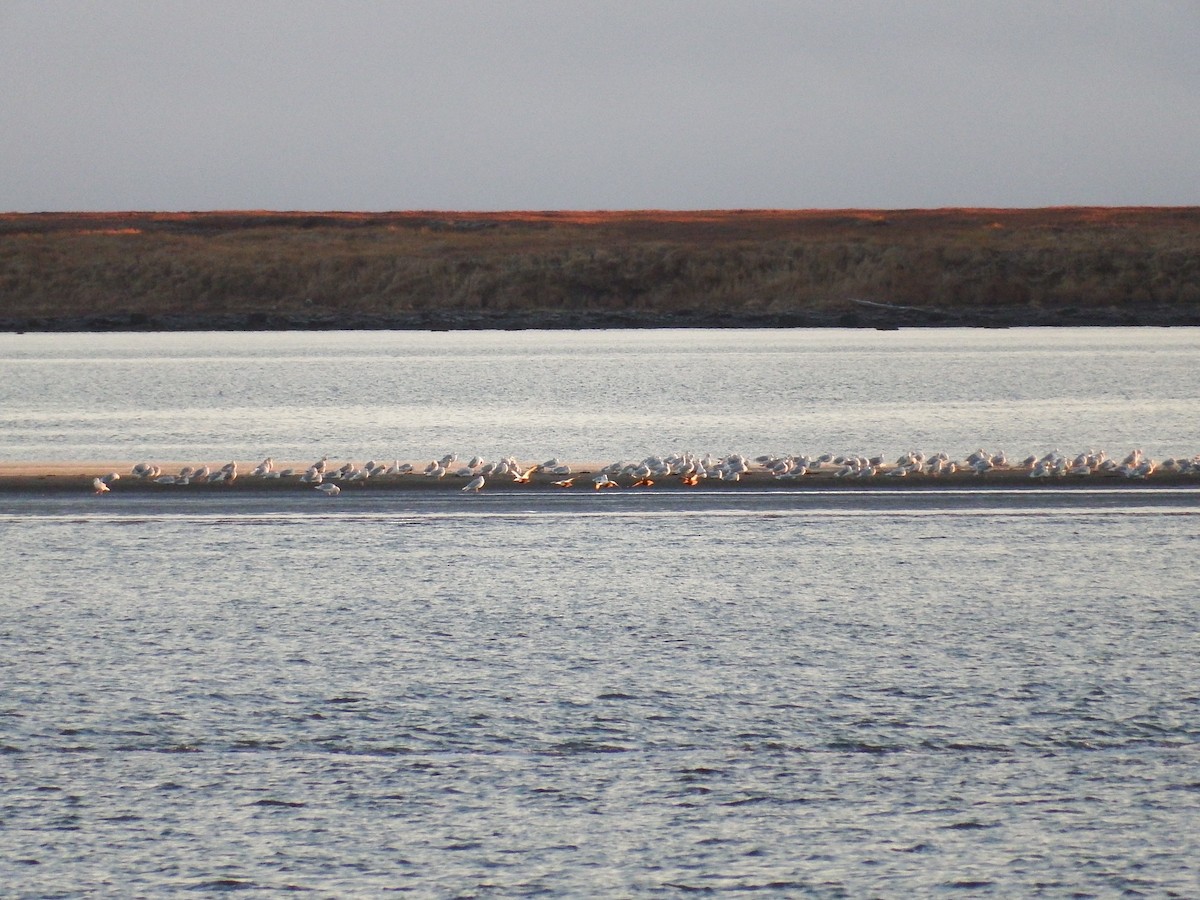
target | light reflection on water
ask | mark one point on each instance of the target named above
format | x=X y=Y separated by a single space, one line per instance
x=596 y=395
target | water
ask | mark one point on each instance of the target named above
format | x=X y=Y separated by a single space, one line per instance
x=810 y=694
x=595 y=395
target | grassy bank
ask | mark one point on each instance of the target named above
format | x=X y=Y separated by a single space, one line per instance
x=263 y=269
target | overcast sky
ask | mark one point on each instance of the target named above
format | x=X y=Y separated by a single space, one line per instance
x=516 y=104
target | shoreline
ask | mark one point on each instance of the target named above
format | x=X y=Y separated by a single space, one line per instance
x=868 y=316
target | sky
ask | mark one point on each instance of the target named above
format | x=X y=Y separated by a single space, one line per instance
x=625 y=104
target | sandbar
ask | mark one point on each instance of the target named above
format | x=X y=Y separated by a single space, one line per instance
x=42 y=477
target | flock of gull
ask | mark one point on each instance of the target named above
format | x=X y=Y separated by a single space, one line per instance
x=686 y=469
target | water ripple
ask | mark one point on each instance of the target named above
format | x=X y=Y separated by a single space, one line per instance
x=606 y=705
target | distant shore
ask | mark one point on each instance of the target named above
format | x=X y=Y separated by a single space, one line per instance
x=422 y=270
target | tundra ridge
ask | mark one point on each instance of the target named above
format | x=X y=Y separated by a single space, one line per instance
x=267 y=270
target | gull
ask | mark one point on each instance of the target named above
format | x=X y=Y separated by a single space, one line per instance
x=523 y=477
x=329 y=490
x=474 y=484
x=264 y=467
x=603 y=481
x=566 y=482
x=99 y=487
x=737 y=466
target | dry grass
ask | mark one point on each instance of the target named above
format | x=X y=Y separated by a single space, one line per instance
x=759 y=261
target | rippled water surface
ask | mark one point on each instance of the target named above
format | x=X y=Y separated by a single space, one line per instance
x=836 y=694
x=825 y=694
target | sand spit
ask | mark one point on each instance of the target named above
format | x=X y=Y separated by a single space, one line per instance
x=911 y=471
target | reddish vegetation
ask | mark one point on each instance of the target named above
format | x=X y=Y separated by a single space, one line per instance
x=326 y=269
x=752 y=224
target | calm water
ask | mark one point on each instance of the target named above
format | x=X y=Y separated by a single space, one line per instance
x=818 y=694
x=596 y=395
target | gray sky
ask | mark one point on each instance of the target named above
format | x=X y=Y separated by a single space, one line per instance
x=516 y=104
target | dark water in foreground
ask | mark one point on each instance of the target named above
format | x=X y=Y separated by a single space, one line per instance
x=826 y=695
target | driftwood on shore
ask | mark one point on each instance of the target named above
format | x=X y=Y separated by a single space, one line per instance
x=744 y=268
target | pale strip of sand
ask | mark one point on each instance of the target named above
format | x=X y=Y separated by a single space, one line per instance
x=55 y=477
